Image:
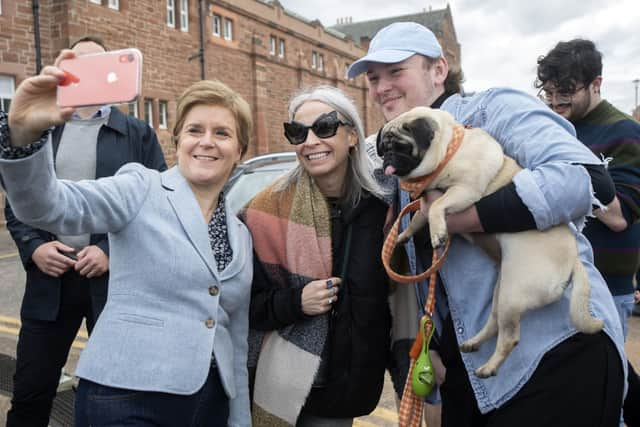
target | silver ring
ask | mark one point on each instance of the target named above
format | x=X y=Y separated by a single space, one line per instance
x=330 y=300
x=334 y=291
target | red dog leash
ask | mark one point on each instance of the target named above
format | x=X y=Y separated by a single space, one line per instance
x=412 y=405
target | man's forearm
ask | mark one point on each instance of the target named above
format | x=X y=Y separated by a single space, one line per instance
x=612 y=217
x=466 y=221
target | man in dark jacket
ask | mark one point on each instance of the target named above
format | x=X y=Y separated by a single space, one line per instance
x=67 y=275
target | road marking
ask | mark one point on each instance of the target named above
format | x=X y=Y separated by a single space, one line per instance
x=10 y=320
x=10 y=331
x=10 y=255
x=79 y=345
x=363 y=423
x=12 y=327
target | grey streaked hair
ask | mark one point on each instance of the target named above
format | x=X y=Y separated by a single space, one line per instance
x=360 y=176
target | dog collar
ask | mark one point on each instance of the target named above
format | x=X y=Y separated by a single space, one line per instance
x=416 y=186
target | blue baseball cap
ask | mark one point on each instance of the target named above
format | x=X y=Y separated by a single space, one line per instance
x=395 y=43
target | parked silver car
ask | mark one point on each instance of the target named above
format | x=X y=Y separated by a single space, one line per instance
x=255 y=174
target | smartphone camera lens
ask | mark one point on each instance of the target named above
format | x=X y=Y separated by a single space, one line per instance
x=130 y=57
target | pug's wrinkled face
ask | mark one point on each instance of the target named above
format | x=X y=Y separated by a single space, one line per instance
x=403 y=142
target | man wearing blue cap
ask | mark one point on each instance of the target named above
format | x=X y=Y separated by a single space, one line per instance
x=555 y=375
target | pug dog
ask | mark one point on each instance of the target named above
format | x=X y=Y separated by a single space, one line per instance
x=412 y=146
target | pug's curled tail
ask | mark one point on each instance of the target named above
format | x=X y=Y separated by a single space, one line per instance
x=579 y=304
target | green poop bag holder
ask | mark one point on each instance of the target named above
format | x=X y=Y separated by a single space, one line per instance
x=421 y=377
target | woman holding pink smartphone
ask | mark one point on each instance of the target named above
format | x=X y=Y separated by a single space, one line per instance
x=170 y=347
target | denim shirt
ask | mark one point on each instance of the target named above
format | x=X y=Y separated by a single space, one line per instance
x=556 y=189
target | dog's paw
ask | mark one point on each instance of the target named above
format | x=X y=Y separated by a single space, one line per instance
x=469 y=347
x=438 y=239
x=486 y=371
x=402 y=238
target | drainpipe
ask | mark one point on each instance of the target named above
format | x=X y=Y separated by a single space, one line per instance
x=201 y=21
x=200 y=53
x=35 y=7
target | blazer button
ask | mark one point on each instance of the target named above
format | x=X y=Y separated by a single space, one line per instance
x=214 y=291
x=209 y=323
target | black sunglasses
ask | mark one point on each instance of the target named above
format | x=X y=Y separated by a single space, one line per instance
x=325 y=126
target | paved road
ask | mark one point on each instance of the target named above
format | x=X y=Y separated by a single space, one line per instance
x=12 y=288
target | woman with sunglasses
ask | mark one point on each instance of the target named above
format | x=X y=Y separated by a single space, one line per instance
x=319 y=306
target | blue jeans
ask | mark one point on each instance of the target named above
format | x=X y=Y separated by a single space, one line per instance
x=624 y=305
x=102 y=406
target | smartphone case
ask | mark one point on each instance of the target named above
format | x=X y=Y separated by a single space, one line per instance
x=101 y=78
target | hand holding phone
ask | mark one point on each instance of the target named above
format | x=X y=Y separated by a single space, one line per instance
x=100 y=79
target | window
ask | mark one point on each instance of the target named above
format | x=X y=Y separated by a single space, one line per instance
x=314 y=59
x=346 y=68
x=148 y=111
x=228 y=29
x=272 y=45
x=320 y=62
x=96 y=1
x=171 y=13
x=162 y=114
x=114 y=4
x=281 y=49
x=133 y=109
x=184 y=15
x=7 y=89
x=216 y=25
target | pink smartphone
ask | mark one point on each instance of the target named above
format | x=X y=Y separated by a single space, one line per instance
x=101 y=78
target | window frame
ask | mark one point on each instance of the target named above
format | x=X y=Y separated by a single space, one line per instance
x=273 y=41
x=4 y=97
x=184 y=15
x=96 y=2
x=148 y=111
x=281 y=48
x=217 y=19
x=163 y=114
x=227 y=28
x=171 y=14
x=314 y=59
x=113 y=4
x=136 y=110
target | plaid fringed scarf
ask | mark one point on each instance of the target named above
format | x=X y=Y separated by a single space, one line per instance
x=291 y=232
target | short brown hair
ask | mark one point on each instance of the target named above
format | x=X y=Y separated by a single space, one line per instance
x=453 y=81
x=214 y=92
x=89 y=39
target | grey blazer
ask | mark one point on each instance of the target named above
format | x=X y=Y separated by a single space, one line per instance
x=168 y=308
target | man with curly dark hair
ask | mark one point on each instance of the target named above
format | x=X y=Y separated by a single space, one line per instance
x=570 y=82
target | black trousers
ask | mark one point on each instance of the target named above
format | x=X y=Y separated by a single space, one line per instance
x=42 y=351
x=578 y=383
x=631 y=407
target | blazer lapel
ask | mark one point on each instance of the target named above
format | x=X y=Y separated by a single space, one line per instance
x=187 y=210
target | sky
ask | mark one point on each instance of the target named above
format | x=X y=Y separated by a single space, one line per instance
x=501 y=39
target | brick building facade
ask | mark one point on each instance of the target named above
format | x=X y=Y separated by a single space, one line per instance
x=257 y=47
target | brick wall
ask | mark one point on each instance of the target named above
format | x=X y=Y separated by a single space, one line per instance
x=266 y=81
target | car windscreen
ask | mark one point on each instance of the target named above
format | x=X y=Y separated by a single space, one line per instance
x=248 y=185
